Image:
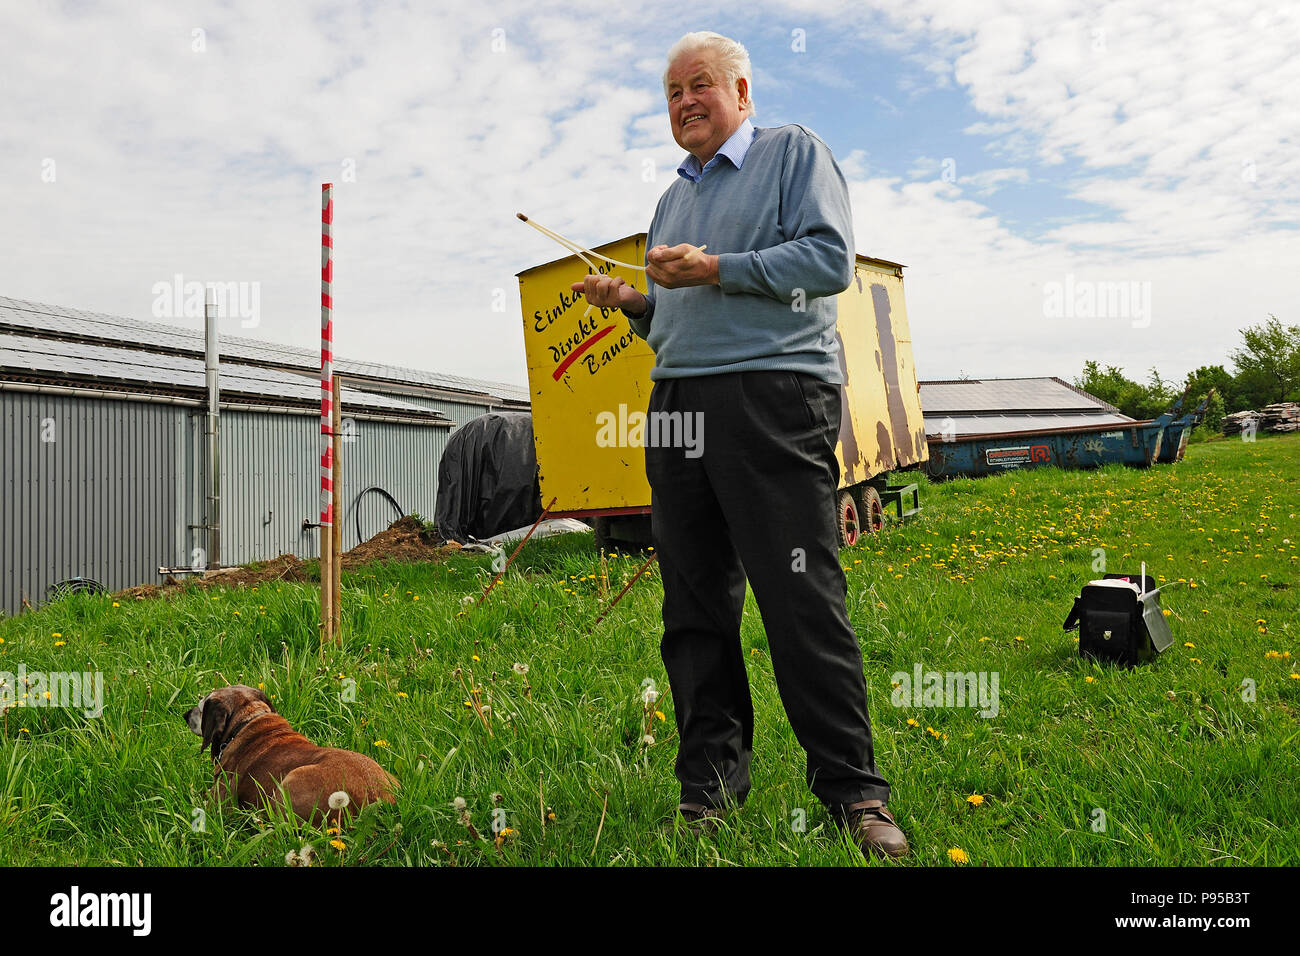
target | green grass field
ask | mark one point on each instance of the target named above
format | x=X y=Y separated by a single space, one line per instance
x=1173 y=764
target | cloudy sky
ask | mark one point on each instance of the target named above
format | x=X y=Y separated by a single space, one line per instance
x=1028 y=161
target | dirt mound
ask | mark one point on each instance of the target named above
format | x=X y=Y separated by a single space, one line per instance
x=287 y=567
x=405 y=540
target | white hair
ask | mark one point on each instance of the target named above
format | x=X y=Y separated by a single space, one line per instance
x=732 y=58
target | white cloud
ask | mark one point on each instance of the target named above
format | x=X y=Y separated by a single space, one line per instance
x=1175 y=122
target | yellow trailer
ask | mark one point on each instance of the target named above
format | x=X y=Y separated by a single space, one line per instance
x=589 y=379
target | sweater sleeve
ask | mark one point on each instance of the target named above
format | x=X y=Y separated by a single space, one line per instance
x=641 y=323
x=818 y=257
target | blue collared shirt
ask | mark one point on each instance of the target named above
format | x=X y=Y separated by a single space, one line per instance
x=735 y=148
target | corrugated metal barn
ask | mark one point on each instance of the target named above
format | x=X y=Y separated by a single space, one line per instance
x=102 y=435
x=1004 y=405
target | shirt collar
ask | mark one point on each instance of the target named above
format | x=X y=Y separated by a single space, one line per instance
x=735 y=148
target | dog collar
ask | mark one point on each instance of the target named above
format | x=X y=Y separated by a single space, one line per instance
x=238 y=727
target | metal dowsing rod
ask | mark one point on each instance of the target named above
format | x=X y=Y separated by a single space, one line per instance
x=336 y=561
x=326 y=414
x=627 y=587
x=518 y=548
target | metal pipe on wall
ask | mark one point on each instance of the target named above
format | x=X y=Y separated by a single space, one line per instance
x=212 y=368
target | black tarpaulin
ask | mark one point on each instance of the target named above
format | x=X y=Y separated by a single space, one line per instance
x=487 y=479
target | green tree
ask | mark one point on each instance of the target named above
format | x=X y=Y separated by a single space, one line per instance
x=1157 y=396
x=1268 y=363
x=1132 y=398
x=1207 y=377
x=1112 y=386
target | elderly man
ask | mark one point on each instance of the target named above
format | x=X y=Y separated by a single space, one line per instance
x=745 y=333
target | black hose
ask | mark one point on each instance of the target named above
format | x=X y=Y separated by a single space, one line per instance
x=357 y=502
x=75 y=586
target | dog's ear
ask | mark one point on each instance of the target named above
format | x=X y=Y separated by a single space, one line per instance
x=259 y=694
x=216 y=722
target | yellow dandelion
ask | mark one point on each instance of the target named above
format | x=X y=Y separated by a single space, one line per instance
x=975 y=799
x=958 y=856
x=60 y=643
x=911 y=722
x=1188 y=644
x=401 y=693
x=338 y=845
x=381 y=743
x=1090 y=679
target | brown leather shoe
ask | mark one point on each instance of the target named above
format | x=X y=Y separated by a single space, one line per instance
x=873 y=829
x=700 y=819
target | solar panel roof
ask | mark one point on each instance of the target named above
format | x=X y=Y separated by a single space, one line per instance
x=21 y=315
x=102 y=364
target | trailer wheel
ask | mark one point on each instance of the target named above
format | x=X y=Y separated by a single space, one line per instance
x=873 y=509
x=846 y=519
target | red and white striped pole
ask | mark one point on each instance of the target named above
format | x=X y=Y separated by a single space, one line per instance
x=326 y=409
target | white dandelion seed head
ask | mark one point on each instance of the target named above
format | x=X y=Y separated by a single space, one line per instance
x=520 y=669
x=291 y=859
x=305 y=854
x=339 y=799
x=458 y=803
x=648 y=739
x=649 y=696
x=467 y=599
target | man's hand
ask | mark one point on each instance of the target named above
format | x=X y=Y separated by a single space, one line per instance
x=676 y=267
x=605 y=292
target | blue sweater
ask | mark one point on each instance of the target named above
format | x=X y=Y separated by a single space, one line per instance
x=782 y=229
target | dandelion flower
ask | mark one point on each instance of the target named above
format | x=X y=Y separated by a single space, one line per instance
x=648 y=740
x=339 y=799
x=958 y=856
x=975 y=799
x=458 y=804
x=520 y=669
x=338 y=845
x=649 y=696
x=1090 y=679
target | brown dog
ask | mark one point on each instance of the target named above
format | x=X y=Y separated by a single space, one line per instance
x=255 y=752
